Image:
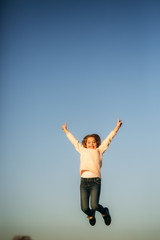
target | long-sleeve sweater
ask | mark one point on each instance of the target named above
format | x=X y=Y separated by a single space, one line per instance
x=91 y=159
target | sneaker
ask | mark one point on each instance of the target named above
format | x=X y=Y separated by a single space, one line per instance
x=92 y=219
x=107 y=217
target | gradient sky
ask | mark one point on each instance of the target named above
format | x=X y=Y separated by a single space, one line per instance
x=87 y=63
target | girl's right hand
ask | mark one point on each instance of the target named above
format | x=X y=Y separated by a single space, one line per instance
x=64 y=127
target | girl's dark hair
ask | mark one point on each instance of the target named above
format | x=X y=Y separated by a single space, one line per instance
x=96 y=137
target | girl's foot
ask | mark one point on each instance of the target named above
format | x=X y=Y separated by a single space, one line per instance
x=107 y=217
x=92 y=219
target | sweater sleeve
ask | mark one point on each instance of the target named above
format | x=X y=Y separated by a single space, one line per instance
x=78 y=146
x=105 y=144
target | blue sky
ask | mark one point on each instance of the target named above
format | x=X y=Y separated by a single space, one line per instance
x=87 y=63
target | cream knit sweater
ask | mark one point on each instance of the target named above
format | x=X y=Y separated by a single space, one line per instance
x=91 y=159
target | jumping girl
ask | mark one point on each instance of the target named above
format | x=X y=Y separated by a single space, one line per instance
x=91 y=151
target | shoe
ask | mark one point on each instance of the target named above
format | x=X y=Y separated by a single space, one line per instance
x=92 y=219
x=107 y=217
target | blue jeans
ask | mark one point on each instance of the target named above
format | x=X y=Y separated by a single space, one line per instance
x=91 y=187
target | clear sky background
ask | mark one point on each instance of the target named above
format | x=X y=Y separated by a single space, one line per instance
x=87 y=63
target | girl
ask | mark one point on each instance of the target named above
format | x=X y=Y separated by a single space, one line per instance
x=91 y=151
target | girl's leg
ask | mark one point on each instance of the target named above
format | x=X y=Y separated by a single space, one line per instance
x=85 y=194
x=95 y=195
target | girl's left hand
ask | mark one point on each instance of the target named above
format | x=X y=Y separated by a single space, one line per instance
x=119 y=123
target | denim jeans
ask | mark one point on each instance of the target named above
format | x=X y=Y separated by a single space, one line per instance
x=91 y=187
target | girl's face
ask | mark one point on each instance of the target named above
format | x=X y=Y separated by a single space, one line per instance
x=91 y=143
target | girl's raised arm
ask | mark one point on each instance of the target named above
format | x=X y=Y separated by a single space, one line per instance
x=64 y=128
x=105 y=144
x=119 y=124
x=78 y=146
